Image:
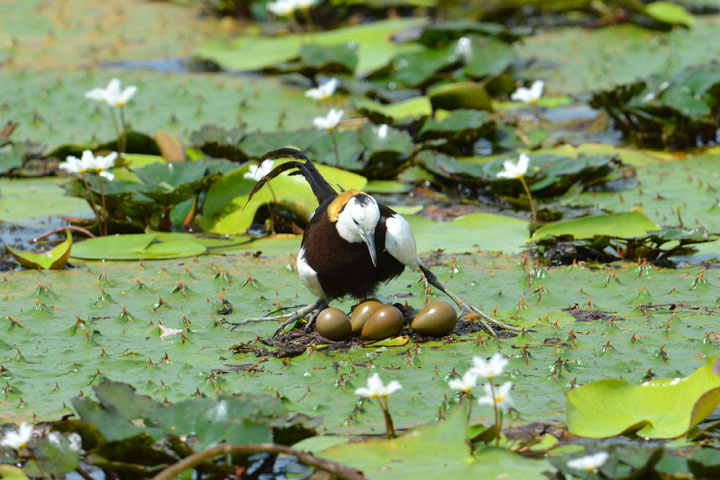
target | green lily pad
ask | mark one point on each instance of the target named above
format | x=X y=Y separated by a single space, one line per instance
x=433 y=451
x=375 y=46
x=138 y=246
x=619 y=224
x=470 y=233
x=54 y=259
x=460 y=95
x=398 y=112
x=662 y=408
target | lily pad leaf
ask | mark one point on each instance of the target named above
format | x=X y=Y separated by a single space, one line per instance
x=619 y=224
x=433 y=451
x=54 y=259
x=669 y=12
x=460 y=95
x=662 y=408
x=470 y=233
x=138 y=246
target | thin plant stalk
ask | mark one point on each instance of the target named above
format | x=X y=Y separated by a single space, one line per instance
x=92 y=203
x=497 y=412
x=389 y=427
x=308 y=19
x=118 y=134
x=532 y=205
x=124 y=131
x=104 y=207
x=335 y=146
x=465 y=396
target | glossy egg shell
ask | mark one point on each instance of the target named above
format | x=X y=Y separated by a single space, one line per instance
x=437 y=319
x=333 y=324
x=385 y=322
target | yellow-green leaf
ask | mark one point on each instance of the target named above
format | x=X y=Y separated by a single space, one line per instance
x=54 y=259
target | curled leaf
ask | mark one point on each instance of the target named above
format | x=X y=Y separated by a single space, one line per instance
x=54 y=259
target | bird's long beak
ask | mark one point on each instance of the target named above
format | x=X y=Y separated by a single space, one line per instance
x=369 y=239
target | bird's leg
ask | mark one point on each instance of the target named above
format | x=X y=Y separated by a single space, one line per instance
x=465 y=306
x=288 y=317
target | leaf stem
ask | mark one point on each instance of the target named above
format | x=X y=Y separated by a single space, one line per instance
x=123 y=136
x=532 y=205
x=497 y=415
x=117 y=128
x=104 y=207
x=389 y=427
x=340 y=471
x=92 y=203
x=335 y=146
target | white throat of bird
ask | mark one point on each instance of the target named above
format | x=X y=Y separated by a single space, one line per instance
x=357 y=221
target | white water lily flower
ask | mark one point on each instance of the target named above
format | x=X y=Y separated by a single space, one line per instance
x=464 y=48
x=324 y=91
x=90 y=163
x=282 y=8
x=515 y=170
x=330 y=121
x=529 y=95
x=501 y=398
x=466 y=383
x=18 y=439
x=376 y=388
x=257 y=172
x=382 y=131
x=489 y=369
x=112 y=95
x=589 y=463
x=167 y=331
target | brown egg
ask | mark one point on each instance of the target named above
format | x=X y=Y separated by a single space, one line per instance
x=438 y=318
x=361 y=313
x=333 y=324
x=385 y=322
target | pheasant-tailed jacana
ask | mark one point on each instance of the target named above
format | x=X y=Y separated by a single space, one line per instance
x=351 y=245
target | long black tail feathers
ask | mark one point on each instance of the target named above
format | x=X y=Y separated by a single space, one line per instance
x=320 y=187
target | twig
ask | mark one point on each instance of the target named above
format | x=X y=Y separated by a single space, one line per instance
x=60 y=229
x=340 y=471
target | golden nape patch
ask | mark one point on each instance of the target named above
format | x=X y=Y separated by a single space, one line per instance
x=338 y=204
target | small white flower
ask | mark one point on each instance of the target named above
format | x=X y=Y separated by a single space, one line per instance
x=324 y=91
x=466 y=383
x=257 y=172
x=515 y=170
x=112 y=95
x=54 y=438
x=75 y=442
x=282 y=8
x=529 y=95
x=489 y=369
x=463 y=48
x=589 y=463
x=330 y=121
x=109 y=175
x=376 y=388
x=19 y=439
x=382 y=131
x=89 y=163
x=501 y=398
x=167 y=331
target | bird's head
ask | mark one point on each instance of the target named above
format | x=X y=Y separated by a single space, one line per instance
x=357 y=219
